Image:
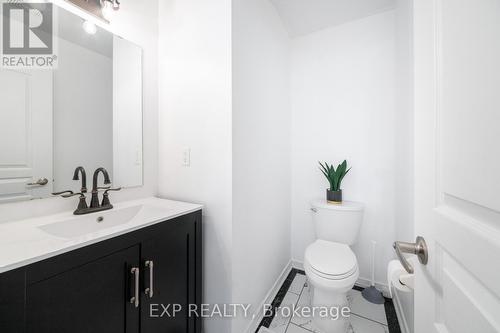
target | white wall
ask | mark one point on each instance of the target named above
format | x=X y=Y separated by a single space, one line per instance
x=136 y=21
x=261 y=152
x=195 y=113
x=404 y=226
x=343 y=107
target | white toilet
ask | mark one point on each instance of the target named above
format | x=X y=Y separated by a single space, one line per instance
x=330 y=265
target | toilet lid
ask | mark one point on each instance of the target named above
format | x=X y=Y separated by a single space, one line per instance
x=334 y=260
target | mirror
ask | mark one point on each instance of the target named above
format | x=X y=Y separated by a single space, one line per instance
x=86 y=111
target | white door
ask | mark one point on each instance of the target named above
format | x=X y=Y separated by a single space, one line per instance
x=457 y=119
x=25 y=134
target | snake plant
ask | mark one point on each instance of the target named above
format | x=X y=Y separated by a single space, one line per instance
x=334 y=176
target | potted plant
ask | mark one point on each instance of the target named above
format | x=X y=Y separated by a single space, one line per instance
x=335 y=177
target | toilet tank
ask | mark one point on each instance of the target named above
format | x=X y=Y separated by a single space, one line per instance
x=337 y=222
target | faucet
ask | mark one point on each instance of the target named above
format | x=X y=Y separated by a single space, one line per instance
x=95 y=206
x=81 y=170
x=94 y=203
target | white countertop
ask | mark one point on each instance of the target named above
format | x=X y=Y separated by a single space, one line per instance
x=24 y=242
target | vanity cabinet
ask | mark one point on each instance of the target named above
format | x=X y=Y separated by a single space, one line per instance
x=173 y=257
x=119 y=285
x=88 y=298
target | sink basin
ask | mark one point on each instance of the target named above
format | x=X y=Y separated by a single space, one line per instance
x=88 y=224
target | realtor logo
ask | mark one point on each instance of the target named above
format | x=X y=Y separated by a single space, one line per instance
x=27 y=34
x=27 y=28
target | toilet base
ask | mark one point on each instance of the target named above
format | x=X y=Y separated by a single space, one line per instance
x=330 y=294
x=335 y=322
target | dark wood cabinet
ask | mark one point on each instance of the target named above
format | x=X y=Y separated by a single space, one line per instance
x=89 y=298
x=91 y=289
x=172 y=257
x=12 y=301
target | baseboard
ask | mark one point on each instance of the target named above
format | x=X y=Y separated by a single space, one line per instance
x=364 y=283
x=259 y=314
x=297 y=264
x=361 y=282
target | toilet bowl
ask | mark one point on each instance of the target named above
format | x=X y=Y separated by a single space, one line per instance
x=331 y=266
x=332 y=270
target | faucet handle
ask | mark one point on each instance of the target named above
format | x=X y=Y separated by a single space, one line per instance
x=104 y=188
x=105 y=196
x=63 y=193
x=109 y=189
x=69 y=195
x=82 y=204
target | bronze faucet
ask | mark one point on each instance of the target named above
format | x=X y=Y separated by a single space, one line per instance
x=95 y=206
x=94 y=202
x=84 y=178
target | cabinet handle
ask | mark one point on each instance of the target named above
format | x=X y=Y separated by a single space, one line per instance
x=135 y=274
x=149 y=291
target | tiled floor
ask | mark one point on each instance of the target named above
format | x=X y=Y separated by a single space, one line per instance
x=365 y=317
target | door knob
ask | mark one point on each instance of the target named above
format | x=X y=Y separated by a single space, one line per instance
x=419 y=248
x=39 y=182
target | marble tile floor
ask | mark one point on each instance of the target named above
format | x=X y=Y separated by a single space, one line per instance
x=365 y=316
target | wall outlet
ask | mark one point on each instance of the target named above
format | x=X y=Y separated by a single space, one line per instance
x=186 y=157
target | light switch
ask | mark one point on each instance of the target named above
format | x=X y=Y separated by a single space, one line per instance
x=186 y=157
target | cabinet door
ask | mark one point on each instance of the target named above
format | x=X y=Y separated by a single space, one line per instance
x=175 y=253
x=94 y=297
x=12 y=294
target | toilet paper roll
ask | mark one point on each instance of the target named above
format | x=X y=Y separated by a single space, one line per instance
x=407 y=280
x=394 y=271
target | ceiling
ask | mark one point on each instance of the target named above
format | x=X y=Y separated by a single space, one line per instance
x=305 y=16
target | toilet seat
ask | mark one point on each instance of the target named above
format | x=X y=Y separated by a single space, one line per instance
x=330 y=260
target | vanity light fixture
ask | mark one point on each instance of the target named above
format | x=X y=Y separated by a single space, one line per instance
x=89 y=27
x=108 y=7
x=103 y=9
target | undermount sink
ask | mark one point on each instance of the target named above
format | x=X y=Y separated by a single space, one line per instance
x=88 y=224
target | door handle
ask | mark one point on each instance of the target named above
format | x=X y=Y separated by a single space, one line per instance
x=149 y=291
x=135 y=275
x=39 y=182
x=419 y=248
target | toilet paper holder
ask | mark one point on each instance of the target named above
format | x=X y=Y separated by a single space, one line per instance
x=419 y=248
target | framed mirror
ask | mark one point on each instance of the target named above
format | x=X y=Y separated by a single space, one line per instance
x=86 y=111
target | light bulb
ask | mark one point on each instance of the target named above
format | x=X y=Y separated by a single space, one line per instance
x=89 y=27
x=107 y=10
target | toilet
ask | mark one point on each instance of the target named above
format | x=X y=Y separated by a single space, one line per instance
x=330 y=264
